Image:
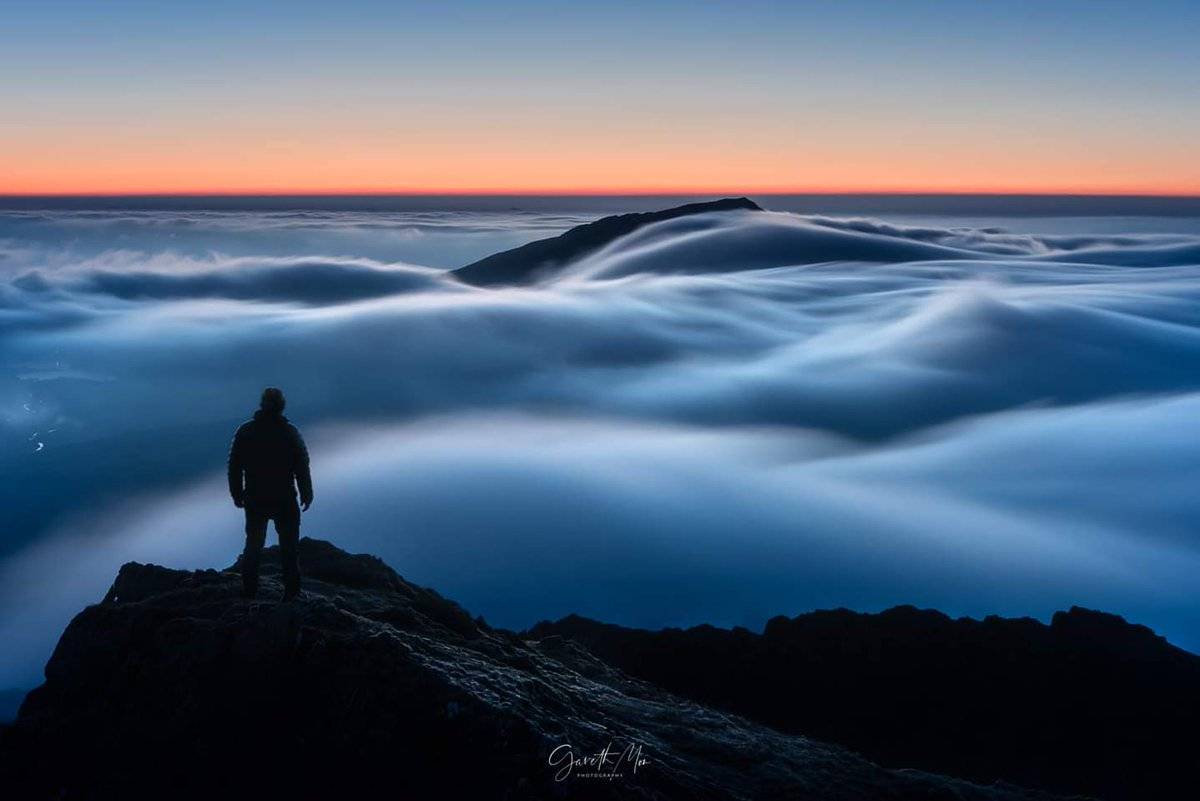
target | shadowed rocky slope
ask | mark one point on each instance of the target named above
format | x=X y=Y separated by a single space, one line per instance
x=175 y=687
x=527 y=263
x=1088 y=704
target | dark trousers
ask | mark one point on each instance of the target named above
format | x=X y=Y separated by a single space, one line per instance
x=287 y=526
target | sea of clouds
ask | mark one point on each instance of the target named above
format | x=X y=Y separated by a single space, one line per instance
x=715 y=419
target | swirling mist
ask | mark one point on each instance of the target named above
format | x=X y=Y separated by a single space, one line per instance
x=717 y=418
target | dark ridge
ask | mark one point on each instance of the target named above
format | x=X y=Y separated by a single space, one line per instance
x=1087 y=704
x=371 y=687
x=527 y=263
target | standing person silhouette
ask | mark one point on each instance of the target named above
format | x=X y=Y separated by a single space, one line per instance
x=267 y=461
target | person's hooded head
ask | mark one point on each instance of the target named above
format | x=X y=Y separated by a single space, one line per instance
x=272 y=401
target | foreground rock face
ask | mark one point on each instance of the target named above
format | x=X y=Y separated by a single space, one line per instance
x=175 y=687
x=529 y=262
x=1088 y=704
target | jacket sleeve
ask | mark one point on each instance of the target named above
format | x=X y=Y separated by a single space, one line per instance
x=236 y=467
x=300 y=468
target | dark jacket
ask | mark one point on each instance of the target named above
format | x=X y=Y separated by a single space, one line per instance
x=267 y=461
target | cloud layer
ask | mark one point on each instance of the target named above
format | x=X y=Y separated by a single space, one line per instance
x=716 y=418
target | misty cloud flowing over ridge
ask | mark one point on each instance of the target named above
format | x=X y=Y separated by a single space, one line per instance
x=280 y=280
x=747 y=413
x=56 y=238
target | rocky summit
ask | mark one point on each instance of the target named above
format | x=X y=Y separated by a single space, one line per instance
x=173 y=686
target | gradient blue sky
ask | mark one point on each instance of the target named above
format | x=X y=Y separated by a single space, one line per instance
x=792 y=96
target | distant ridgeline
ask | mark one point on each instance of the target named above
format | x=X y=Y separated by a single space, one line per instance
x=527 y=263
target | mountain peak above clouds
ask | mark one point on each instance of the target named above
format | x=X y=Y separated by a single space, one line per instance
x=527 y=263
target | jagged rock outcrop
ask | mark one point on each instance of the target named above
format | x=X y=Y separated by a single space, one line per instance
x=529 y=262
x=175 y=687
x=1087 y=704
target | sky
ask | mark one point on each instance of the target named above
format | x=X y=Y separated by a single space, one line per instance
x=927 y=95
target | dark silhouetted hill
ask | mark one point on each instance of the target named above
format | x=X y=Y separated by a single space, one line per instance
x=370 y=687
x=527 y=263
x=1087 y=704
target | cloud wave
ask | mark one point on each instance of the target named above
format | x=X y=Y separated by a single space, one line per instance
x=720 y=417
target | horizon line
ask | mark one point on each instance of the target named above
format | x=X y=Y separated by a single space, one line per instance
x=609 y=192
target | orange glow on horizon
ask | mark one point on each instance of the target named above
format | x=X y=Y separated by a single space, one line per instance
x=632 y=191
x=607 y=191
x=321 y=161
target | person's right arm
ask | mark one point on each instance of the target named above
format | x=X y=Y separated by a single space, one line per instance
x=236 y=469
x=301 y=469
